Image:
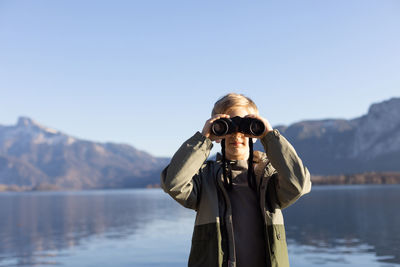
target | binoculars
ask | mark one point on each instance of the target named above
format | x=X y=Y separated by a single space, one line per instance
x=224 y=126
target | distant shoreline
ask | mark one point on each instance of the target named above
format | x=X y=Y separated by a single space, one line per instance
x=371 y=178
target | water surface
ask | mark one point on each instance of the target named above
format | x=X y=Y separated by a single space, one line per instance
x=332 y=226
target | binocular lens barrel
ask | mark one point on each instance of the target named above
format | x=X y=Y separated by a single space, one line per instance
x=219 y=127
x=226 y=126
x=257 y=127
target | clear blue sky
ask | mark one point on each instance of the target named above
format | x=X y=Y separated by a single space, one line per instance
x=147 y=73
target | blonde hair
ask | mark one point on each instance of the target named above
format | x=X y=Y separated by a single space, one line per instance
x=232 y=101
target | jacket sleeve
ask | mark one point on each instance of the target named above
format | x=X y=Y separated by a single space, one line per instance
x=293 y=179
x=181 y=179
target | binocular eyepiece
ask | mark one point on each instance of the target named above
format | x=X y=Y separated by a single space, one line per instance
x=224 y=126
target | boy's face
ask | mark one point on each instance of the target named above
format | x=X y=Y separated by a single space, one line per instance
x=236 y=144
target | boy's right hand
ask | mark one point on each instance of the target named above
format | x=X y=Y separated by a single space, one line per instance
x=207 y=128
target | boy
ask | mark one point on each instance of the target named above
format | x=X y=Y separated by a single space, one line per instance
x=238 y=198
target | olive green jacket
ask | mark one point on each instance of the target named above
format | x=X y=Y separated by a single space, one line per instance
x=198 y=184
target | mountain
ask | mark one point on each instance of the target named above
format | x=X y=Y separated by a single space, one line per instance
x=370 y=143
x=35 y=156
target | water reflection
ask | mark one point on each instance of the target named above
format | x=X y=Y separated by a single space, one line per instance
x=343 y=220
x=33 y=223
x=333 y=226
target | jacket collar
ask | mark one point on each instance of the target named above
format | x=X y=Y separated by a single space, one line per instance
x=260 y=161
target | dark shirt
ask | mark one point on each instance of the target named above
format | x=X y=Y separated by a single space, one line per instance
x=247 y=221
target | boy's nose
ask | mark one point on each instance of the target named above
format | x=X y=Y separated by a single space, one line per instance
x=237 y=134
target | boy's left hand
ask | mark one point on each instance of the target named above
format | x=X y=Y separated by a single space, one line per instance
x=268 y=127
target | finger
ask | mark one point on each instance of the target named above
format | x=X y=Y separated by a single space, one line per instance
x=218 y=116
x=253 y=116
x=222 y=115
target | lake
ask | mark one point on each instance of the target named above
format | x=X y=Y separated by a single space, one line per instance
x=332 y=226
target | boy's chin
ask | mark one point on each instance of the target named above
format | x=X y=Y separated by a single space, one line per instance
x=238 y=154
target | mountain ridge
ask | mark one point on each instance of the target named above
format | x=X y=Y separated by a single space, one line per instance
x=369 y=143
x=67 y=162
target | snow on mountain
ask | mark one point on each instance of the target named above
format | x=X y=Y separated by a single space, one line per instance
x=29 y=129
x=378 y=132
